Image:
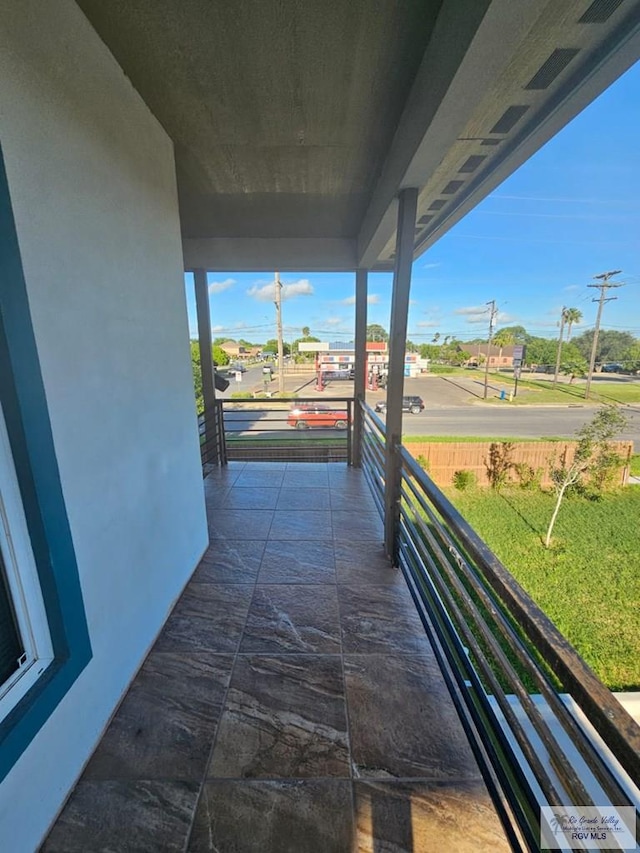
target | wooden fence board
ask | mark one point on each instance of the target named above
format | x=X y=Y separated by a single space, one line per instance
x=444 y=459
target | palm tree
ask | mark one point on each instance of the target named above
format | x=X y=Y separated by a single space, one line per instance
x=306 y=331
x=503 y=338
x=571 y=316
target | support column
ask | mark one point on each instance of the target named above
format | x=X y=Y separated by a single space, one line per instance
x=360 y=365
x=407 y=205
x=206 y=361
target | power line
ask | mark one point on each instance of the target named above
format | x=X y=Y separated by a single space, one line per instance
x=603 y=287
x=493 y=313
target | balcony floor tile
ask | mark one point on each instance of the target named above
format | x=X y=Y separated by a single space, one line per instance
x=301 y=816
x=230 y=561
x=165 y=726
x=208 y=617
x=424 y=816
x=301 y=524
x=139 y=816
x=284 y=717
x=293 y=618
x=298 y=562
x=396 y=704
x=379 y=619
x=233 y=524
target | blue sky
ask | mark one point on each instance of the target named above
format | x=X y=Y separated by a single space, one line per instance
x=533 y=245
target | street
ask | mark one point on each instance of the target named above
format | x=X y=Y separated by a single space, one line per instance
x=453 y=407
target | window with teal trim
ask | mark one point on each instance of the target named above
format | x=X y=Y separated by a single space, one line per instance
x=25 y=641
x=44 y=637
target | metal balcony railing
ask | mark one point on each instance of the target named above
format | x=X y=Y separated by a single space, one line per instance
x=302 y=429
x=544 y=729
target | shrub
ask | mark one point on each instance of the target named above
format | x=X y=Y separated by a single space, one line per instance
x=464 y=479
x=499 y=463
x=423 y=462
x=528 y=476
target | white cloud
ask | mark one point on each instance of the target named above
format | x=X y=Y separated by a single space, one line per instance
x=267 y=292
x=219 y=286
x=572 y=287
x=334 y=321
x=431 y=266
x=428 y=324
x=372 y=299
x=217 y=328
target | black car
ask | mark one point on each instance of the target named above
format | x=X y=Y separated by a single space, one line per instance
x=411 y=404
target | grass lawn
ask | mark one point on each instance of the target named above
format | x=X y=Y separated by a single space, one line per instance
x=538 y=392
x=635 y=465
x=589 y=583
x=472 y=439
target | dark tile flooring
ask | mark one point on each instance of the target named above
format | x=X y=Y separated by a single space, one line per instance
x=291 y=703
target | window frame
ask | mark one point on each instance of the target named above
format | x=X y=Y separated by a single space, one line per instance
x=23 y=584
x=30 y=437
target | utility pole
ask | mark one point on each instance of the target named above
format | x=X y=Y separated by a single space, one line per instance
x=604 y=285
x=563 y=316
x=492 y=317
x=278 y=304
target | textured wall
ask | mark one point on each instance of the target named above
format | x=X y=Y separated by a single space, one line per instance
x=92 y=182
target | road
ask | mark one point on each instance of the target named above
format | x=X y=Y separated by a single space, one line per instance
x=529 y=422
x=448 y=411
x=532 y=422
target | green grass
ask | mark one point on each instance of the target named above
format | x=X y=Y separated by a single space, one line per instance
x=635 y=465
x=471 y=439
x=439 y=369
x=538 y=392
x=588 y=583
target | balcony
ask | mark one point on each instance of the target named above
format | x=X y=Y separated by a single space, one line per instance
x=292 y=701
x=304 y=695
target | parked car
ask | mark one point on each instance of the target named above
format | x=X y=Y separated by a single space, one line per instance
x=612 y=368
x=413 y=404
x=306 y=416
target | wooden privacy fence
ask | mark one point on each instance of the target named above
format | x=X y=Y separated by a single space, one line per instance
x=443 y=460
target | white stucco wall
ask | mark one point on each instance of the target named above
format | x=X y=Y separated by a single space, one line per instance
x=92 y=182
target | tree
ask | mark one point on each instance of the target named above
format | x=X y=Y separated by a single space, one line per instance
x=306 y=331
x=632 y=358
x=541 y=351
x=503 y=338
x=197 y=376
x=376 y=332
x=430 y=351
x=217 y=341
x=612 y=345
x=435 y=338
x=271 y=346
x=307 y=339
x=518 y=334
x=571 y=316
x=593 y=456
x=573 y=364
x=220 y=357
x=411 y=347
